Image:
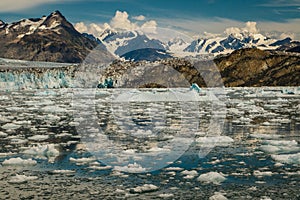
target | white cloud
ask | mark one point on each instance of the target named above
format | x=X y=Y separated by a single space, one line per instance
x=149 y=27
x=81 y=27
x=286 y=35
x=197 y=27
x=95 y=29
x=250 y=28
x=89 y=28
x=121 y=21
x=139 y=18
x=218 y=25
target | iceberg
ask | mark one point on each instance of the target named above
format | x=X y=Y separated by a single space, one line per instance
x=287 y=158
x=43 y=152
x=212 y=177
x=144 y=188
x=20 y=179
x=195 y=87
x=19 y=162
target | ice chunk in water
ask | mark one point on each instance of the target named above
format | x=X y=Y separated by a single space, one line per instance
x=3 y=135
x=212 y=177
x=218 y=196
x=287 y=158
x=215 y=141
x=19 y=162
x=144 y=188
x=39 y=138
x=19 y=179
x=43 y=152
x=11 y=126
x=82 y=161
x=279 y=146
x=131 y=168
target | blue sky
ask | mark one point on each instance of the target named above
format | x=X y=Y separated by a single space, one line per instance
x=195 y=16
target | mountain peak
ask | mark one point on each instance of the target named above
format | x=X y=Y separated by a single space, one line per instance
x=56 y=16
x=56 y=19
x=2 y=23
x=50 y=38
x=57 y=13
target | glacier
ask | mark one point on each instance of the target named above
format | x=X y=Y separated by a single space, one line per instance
x=20 y=75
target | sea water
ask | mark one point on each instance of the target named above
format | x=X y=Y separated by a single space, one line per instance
x=150 y=144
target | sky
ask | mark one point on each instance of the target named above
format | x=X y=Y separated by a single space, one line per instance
x=278 y=18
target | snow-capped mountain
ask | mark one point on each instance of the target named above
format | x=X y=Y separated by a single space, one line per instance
x=231 y=43
x=50 y=38
x=177 y=45
x=124 y=42
x=293 y=47
x=53 y=38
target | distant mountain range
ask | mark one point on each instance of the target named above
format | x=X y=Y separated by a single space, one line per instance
x=54 y=39
x=121 y=42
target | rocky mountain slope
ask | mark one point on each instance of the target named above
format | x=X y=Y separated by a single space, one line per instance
x=50 y=38
x=245 y=67
x=254 y=67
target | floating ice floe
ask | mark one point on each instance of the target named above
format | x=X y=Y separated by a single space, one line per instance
x=287 y=158
x=281 y=142
x=265 y=136
x=19 y=179
x=131 y=168
x=54 y=109
x=10 y=126
x=158 y=150
x=63 y=135
x=279 y=146
x=189 y=173
x=99 y=168
x=82 y=161
x=43 y=152
x=218 y=196
x=212 y=177
x=3 y=135
x=145 y=188
x=39 y=138
x=63 y=171
x=215 y=141
x=174 y=169
x=258 y=173
x=163 y=196
x=19 y=162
